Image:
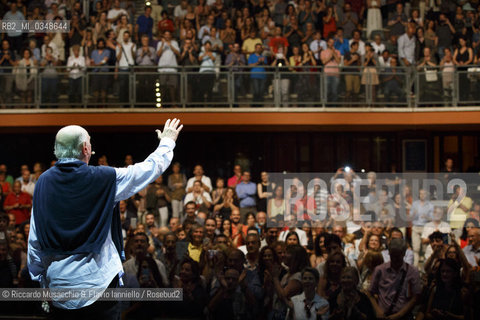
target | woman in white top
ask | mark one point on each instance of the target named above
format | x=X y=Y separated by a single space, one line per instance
x=276 y=206
x=374 y=17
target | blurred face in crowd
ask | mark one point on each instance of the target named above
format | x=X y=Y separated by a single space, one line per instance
x=292 y=240
x=237 y=170
x=374 y=242
x=221 y=240
x=451 y=253
x=170 y=242
x=198 y=171
x=174 y=224
x=197 y=186
x=220 y=183
x=122 y=205
x=235 y=216
x=280 y=251
x=267 y=256
x=197 y=235
x=338 y=230
x=181 y=235
x=141 y=244
x=261 y=218
x=377 y=228
x=26 y=175
x=150 y=220
x=210 y=227
x=186 y=273
x=348 y=281
x=474 y=237
x=253 y=243
x=309 y=281
x=235 y=260
x=272 y=235
x=17 y=187
x=251 y=220
x=258 y=49
x=330 y=43
x=396 y=235
x=447 y=274
x=231 y=277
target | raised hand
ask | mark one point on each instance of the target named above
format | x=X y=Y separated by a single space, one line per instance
x=171 y=129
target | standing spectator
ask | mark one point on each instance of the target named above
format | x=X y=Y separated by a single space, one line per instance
x=205 y=29
x=77 y=31
x=198 y=174
x=100 y=57
x=176 y=183
x=235 y=60
x=264 y=192
x=350 y=20
x=76 y=67
x=307 y=15
x=420 y=213
x=188 y=58
x=330 y=21
x=406 y=46
x=27 y=185
x=395 y=285
x=331 y=60
x=361 y=45
x=180 y=12
x=427 y=67
x=377 y=45
x=374 y=17
x=206 y=78
x=145 y=57
x=25 y=79
x=445 y=32
x=308 y=304
x=472 y=251
x=257 y=73
x=144 y=24
x=459 y=207
x=462 y=57
x=278 y=40
x=249 y=44
x=317 y=45
x=352 y=78
x=7 y=59
x=168 y=51
x=397 y=20
x=236 y=178
x=370 y=77
x=49 y=76
x=294 y=34
x=341 y=43
x=246 y=191
x=166 y=24
x=125 y=57
x=14 y=37
x=201 y=198
x=18 y=203
x=157 y=200
x=116 y=12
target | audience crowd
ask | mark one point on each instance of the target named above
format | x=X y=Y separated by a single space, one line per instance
x=246 y=250
x=367 y=40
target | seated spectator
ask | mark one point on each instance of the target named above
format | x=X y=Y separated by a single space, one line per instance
x=219 y=191
x=329 y=284
x=194 y=247
x=371 y=260
x=317 y=45
x=395 y=285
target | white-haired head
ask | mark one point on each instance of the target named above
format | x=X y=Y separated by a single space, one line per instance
x=69 y=142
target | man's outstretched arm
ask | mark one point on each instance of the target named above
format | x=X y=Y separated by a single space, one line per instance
x=134 y=178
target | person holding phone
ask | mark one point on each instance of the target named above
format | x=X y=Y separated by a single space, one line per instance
x=75 y=233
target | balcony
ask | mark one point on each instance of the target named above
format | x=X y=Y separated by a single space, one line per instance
x=300 y=96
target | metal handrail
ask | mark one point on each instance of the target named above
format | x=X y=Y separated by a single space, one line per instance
x=230 y=87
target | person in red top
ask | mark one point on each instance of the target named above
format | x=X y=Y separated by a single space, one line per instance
x=237 y=176
x=278 y=41
x=166 y=24
x=4 y=184
x=18 y=203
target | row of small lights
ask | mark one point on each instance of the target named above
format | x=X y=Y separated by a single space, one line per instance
x=158 y=95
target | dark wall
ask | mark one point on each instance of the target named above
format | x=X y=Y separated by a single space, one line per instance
x=218 y=151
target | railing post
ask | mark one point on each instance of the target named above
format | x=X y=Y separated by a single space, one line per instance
x=277 y=91
x=132 y=87
x=230 y=88
x=456 y=89
x=183 y=87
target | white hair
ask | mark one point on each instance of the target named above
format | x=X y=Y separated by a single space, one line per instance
x=69 y=141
